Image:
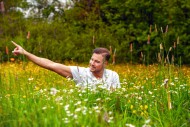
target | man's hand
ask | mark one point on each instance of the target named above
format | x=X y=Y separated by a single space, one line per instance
x=18 y=50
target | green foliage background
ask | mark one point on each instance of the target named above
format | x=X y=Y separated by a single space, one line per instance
x=73 y=33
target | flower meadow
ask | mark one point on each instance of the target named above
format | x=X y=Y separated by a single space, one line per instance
x=150 y=96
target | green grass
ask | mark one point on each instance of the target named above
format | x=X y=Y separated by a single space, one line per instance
x=35 y=97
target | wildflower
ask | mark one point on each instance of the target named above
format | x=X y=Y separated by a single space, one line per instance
x=131 y=107
x=131 y=47
x=110 y=49
x=58 y=99
x=129 y=125
x=71 y=91
x=66 y=107
x=166 y=29
x=6 y=50
x=146 y=125
x=176 y=79
x=126 y=95
x=78 y=109
x=66 y=120
x=161 y=47
x=96 y=107
x=134 y=112
x=84 y=112
x=53 y=91
x=177 y=40
x=148 y=41
x=162 y=30
x=149 y=92
x=174 y=45
x=150 y=29
x=147 y=121
x=146 y=107
x=155 y=28
x=30 y=79
x=68 y=113
x=68 y=79
x=98 y=99
x=28 y=35
x=165 y=83
x=159 y=57
x=75 y=116
x=8 y=95
x=41 y=91
x=102 y=86
x=172 y=84
x=170 y=49
x=114 y=54
x=140 y=98
x=12 y=59
x=97 y=111
x=110 y=112
x=93 y=39
x=106 y=117
x=142 y=55
x=107 y=98
x=78 y=103
x=2 y=8
x=85 y=100
x=44 y=108
x=90 y=112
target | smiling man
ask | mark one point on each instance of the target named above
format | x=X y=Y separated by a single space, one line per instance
x=95 y=74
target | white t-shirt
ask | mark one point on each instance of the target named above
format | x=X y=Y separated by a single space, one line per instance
x=84 y=77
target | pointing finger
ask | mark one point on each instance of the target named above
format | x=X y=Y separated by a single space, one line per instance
x=15 y=43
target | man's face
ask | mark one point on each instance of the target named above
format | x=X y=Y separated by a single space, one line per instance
x=97 y=63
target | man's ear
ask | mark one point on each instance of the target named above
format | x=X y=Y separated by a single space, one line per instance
x=105 y=62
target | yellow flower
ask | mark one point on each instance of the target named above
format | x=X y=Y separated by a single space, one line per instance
x=24 y=96
x=146 y=107
x=8 y=95
x=129 y=101
x=36 y=88
x=131 y=107
x=134 y=112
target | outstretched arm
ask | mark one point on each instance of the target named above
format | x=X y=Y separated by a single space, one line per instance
x=61 y=69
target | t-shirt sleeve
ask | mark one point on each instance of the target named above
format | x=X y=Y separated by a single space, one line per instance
x=77 y=73
x=116 y=81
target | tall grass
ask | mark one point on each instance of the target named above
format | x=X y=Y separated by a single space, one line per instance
x=151 y=95
x=37 y=97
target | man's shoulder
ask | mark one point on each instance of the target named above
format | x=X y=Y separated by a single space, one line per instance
x=108 y=71
x=78 y=68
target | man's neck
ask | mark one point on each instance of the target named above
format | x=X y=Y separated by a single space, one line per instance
x=98 y=75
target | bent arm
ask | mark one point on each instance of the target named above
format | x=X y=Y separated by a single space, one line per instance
x=61 y=69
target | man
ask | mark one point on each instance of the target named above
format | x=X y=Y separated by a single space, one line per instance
x=92 y=76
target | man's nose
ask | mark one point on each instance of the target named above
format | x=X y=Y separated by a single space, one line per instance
x=92 y=62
